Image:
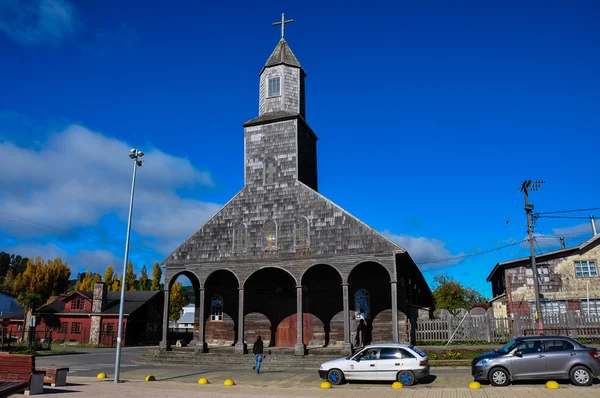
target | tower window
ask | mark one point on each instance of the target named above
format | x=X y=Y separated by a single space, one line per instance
x=301 y=238
x=270 y=171
x=239 y=237
x=274 y=87
x=216 y=313
x=270 y=234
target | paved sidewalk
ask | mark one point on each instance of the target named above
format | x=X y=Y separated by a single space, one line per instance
x=90 y=387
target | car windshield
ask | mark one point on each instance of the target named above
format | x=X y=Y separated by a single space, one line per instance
x=510 y=346
x=415 y=349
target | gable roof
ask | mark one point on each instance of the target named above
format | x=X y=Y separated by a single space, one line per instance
x=282 y=55
x=543 y=257
x=133 y=302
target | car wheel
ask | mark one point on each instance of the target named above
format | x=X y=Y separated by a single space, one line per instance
x=499 y=377
x=406 y=377
x=335 y=377
x=581 y=376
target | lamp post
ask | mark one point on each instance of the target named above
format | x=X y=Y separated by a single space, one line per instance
x=135 y=155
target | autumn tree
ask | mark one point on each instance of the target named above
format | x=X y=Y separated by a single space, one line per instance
x=130 y=278
x=9 y=281
x=156 y=275
x=109 y=277
x=176 y=300
x=88 y=282
x=451 y=295
x=144 y=282
x=116 y=285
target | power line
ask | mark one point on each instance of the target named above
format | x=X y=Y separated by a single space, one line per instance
x=578 y=217
x=568 y=211
x=472 y=254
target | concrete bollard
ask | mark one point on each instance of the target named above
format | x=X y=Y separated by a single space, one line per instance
x=397 y=384
x=325 y=384
x=150 y=378
x=552 y=384
x=101 y=375
x=203 y=380
x=475 y=385
x=228 y=382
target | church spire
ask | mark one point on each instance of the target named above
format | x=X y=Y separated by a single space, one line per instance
x=282 y=55
x=282 y=23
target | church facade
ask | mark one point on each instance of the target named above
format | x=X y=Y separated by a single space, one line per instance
x=282 y=261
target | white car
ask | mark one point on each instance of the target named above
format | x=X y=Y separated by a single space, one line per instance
x=400 y=362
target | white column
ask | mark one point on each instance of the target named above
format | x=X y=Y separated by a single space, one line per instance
x=300 y=347
x=240 y=346
x=165 y=325
x=347 y=345
x=394 y=310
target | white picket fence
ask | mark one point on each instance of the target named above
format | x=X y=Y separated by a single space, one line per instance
x=479 y=325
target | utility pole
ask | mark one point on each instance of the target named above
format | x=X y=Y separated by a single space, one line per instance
x=525 y=188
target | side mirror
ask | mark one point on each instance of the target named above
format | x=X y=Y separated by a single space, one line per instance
x=519 y=354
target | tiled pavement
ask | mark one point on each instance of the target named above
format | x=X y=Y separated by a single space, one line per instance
x=91 y=387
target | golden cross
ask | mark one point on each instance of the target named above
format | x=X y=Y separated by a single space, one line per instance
x=282 y=23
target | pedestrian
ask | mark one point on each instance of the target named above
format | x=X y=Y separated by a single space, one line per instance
x=257 y=350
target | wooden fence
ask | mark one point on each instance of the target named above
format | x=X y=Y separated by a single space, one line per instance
x=479 y=325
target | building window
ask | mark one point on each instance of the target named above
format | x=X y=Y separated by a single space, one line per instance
x=77 y=303
x=586 y=269
x=270 y=171
x=362 y=304
x=216 y=312
x=591 y=307
x=109 y=327
x=64 y=327
x=551 y=308
x=75 y=328
x=239 y=237
x=270 y=234
x=302 y=232
x=274 y=87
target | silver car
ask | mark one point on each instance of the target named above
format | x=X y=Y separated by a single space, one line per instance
x=538 y=357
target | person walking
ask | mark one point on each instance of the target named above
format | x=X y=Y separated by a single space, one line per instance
x=257 y=350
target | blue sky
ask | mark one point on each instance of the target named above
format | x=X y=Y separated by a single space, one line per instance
x=429 y=116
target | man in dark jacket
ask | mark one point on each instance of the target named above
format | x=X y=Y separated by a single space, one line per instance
x=257 y=349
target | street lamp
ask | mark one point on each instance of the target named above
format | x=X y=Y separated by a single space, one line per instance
x=135 y=155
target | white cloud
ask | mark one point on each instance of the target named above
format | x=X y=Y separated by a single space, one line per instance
x=79 y=176
x=574 y=231
x=94 y=260
x=32 y=22
x=426 y=253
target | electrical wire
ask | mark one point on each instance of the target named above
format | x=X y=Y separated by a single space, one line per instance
x=568 y=211
x=471 y=254
x=578 y=217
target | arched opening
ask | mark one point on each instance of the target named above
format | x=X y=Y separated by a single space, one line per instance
x=322 y=299
x=221 y=308
x=272 y=293
x=184 y=304
x=370 y=294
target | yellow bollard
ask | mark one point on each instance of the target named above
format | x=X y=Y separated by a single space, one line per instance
x=325 y=384
x=101 y=375
x=150 y=378
x=228 y=382
x=552 y=384
x=203 y=380
x=474 y=384
x=397 y=384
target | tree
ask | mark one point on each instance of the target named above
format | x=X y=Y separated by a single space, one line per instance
x=130 y=278
x=45 y=280
x=176 y=300
x=18 y=264
x=156 y=275
x=88 y=282
x=144 y=282
x=451 y=295
x=56 y=278
x=116 y=285
x=109 y=277
x=4 y=263
x=9 y=281
x=29 y=301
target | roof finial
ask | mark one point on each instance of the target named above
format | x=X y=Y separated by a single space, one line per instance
x=282 y=23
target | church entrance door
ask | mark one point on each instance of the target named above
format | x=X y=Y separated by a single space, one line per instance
x=287 y=330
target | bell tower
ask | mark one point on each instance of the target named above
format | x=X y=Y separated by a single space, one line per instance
x=280 y=146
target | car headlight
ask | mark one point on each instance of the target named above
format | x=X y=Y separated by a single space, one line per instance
x=482 y=362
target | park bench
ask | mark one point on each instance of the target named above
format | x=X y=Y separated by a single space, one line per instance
x=18 y=374
x=56 y=377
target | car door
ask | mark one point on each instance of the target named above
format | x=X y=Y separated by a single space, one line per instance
x=558 y=357
x=529 y=360
x=363 y=366
x=389 y=363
